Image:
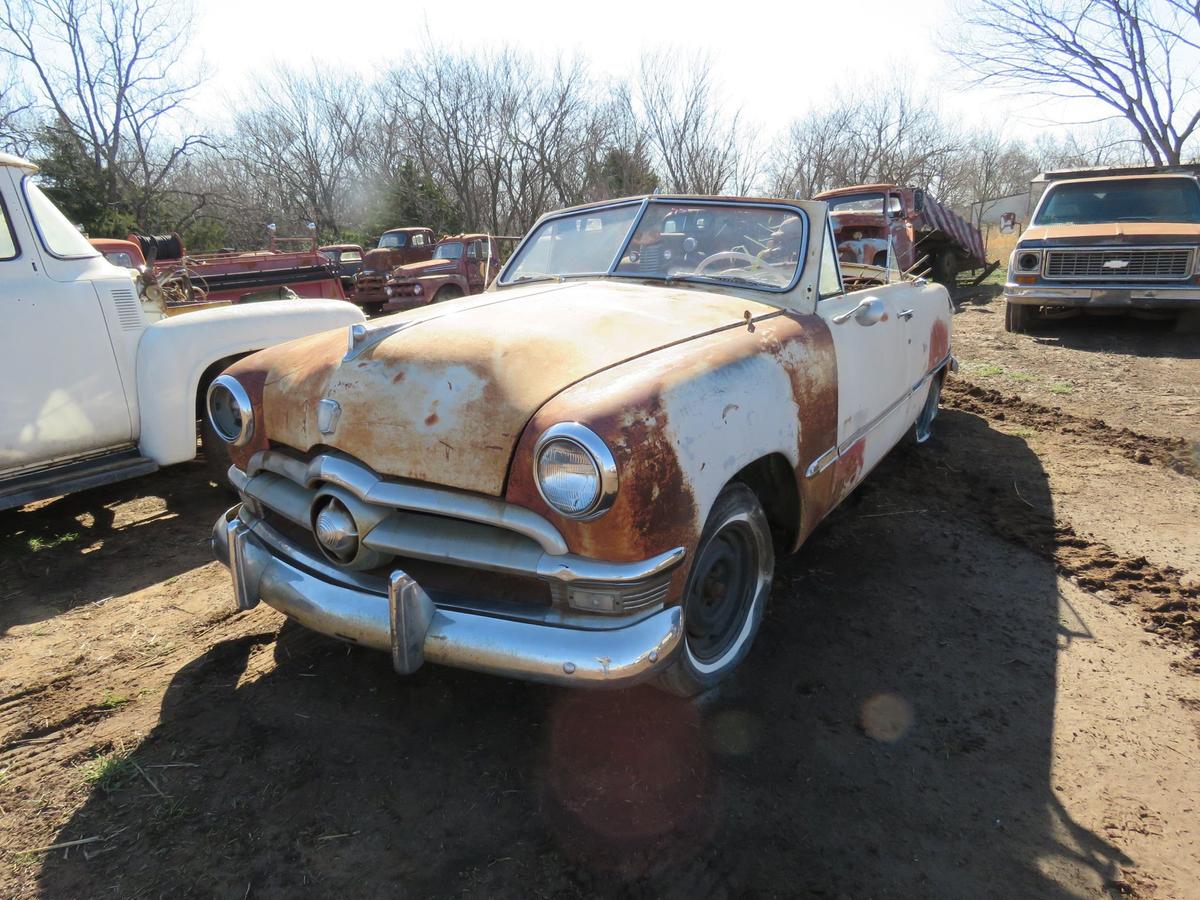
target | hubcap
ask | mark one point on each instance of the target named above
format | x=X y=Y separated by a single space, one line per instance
x=721 y=592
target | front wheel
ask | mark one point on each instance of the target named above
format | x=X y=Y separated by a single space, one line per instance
x=726 y=592
x=1017 y=318
x=923 y=429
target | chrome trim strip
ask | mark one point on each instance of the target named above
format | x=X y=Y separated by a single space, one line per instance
x=822 y=462
x=533 y=652
x=363 y=483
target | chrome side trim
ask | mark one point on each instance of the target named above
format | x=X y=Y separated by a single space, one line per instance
x=822 y=462
x=363 y=483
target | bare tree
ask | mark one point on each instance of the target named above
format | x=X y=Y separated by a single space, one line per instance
x=865 y=136
x=109 y=73
x=1140 y=58
x=698 y=148
x=299 y=141
x=16 y=125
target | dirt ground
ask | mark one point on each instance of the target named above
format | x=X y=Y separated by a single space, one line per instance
x=980 y=678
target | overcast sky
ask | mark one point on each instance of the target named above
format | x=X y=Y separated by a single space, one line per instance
x=775 y=60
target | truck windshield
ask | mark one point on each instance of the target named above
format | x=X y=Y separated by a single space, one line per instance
x=394 y=239
x=857 y=204
x=1134 y=200
x=57 y=232
x=747 y=245
x=452 y=250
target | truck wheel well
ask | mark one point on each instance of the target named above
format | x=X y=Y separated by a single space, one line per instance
x=774 y=483
x=208 y=375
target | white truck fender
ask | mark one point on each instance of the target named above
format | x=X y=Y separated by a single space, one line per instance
x=174 y=353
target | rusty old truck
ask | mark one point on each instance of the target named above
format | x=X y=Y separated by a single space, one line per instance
x=1110 y=244
x=462 y=264
x=397 y=247
x=581 y=475
x=924 y=236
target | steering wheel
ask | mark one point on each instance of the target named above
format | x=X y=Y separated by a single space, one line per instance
x=730 y=256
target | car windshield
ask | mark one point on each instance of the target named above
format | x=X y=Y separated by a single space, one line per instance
x=351 y=256
x=451 y=250
x=394 y=239
x=857 y=204
x=1139 y=200
x=725 y=243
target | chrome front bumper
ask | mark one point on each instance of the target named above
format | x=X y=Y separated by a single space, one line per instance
x=1104 y=296
x=413 y=629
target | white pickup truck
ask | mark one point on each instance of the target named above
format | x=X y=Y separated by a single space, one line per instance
x=98 y=383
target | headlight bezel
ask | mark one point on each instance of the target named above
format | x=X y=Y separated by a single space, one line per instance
x=241 y=400
x=1036 y=256
x=583 y=438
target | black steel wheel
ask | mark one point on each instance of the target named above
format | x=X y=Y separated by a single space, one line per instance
x=726 y=592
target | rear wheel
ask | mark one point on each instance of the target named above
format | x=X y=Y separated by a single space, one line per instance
x=923 y=429
x=1017 y=318
x=726 y=592
x=945 y=269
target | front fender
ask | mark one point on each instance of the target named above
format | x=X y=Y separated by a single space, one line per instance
x=683 y=421
x=174 y=353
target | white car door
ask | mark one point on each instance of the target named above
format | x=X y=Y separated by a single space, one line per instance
x=870 y=343
x=65 y=397
x=924 y=307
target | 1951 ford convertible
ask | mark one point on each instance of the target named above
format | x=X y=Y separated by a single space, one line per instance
x=582 y=475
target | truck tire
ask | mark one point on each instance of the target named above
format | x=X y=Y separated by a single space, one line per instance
x=725 y=594
x=449 y=292
x=1017 y=318
x=216 y=454
x=945 y=267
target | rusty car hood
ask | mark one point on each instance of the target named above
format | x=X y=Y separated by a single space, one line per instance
x=382 y=259
x=1108 y=232
x=443 y=393
x=425 y=267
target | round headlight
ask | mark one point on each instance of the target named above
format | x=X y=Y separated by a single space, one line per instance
x=574 y=470
x=417 y=290
x=1027 y=261
x=229 y=410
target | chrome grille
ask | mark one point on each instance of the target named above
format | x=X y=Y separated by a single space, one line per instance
x=1119 y=263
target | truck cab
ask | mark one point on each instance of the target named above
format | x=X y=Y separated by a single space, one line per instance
x=397 y=247
x=102 y=385
x=922 y=234
x=1106 y=245
x=462 y=264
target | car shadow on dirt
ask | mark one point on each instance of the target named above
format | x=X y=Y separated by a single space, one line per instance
x=76 y=549
x=890 y=736
x=1120 y=335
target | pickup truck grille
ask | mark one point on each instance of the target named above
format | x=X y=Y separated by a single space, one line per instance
x=1119 y=263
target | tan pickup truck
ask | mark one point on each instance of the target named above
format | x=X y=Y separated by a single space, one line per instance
x=1111 y=244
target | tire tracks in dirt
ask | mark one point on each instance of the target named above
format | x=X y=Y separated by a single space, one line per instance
x=1174 y=453
x=1167 y=605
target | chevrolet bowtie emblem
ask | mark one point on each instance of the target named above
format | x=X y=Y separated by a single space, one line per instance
x=328 y=412
x=1116 y=263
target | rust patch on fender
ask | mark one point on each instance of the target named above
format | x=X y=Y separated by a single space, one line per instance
x=939 y=343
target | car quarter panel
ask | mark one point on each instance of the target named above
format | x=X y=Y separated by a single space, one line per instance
x=684 y=421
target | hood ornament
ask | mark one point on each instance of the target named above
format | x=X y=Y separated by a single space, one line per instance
x=328 y=412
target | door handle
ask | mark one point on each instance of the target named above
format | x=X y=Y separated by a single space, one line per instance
x=869 y=311
x=905 y=314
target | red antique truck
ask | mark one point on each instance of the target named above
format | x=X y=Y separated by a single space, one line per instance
x=924 y=233
x=462 y=264
x=187 y=281
x=397 y=247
